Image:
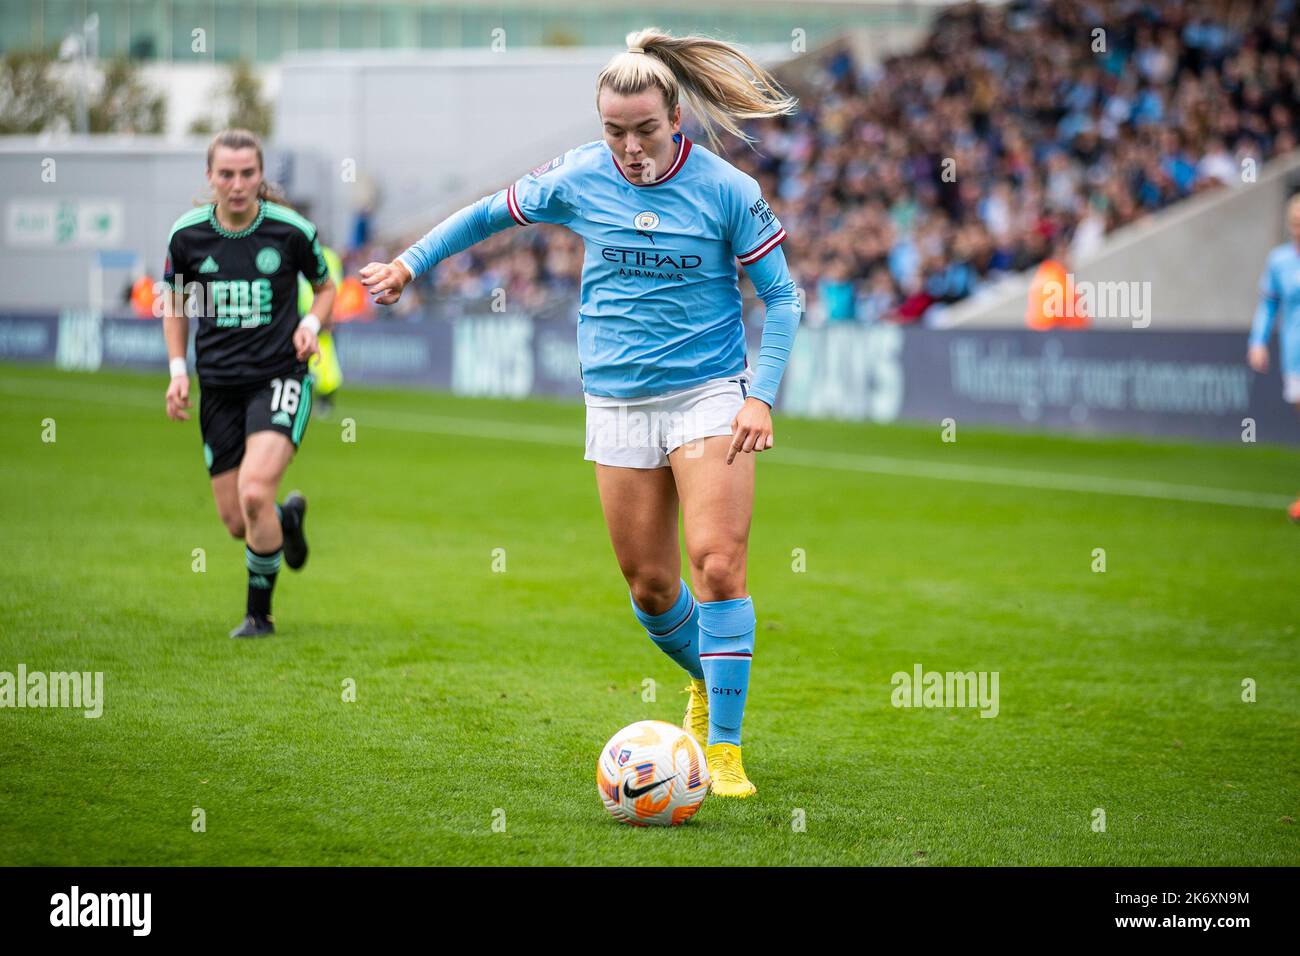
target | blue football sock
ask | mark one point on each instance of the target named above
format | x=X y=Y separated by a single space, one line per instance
x=726 y=650
x=676 y=631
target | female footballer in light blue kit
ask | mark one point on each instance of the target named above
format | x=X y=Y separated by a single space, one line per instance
x=674 y=410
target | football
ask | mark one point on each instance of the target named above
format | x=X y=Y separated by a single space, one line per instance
x=652 y=774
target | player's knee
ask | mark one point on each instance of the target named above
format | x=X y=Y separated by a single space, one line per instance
x=255 y=497
x=653 y=591
x=234 y=524
x=719 y=574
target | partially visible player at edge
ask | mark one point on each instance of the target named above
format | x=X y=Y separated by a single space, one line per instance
x=1279 y=291
x=236 y=263
x=660 y=331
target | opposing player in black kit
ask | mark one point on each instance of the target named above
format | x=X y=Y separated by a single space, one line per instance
x=235 y=263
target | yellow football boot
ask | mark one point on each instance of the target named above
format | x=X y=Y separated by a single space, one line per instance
x=728 y=772
x=697 y=713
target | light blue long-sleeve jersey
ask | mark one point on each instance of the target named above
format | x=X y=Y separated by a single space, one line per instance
x=660 y=305
x=1279 y=292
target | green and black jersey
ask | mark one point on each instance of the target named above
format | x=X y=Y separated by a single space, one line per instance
x=243 y=286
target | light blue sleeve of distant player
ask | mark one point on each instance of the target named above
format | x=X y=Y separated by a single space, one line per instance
x=756 y=236
x=539 y=196
x=1270 y=296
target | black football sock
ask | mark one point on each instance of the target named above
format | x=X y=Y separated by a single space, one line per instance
x=262 y=569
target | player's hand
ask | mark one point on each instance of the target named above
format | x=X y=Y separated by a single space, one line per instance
x=178 y=398
x=751 y=429
x=385 y=281
x=304 y=343
x=1257 y=358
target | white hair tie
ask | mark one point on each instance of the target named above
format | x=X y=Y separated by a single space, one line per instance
x=636 y=49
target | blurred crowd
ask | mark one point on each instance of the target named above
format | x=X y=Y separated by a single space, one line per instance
x=1014 y=133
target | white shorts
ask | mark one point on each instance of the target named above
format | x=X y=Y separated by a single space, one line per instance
x=643 y=432
x=1290 y=387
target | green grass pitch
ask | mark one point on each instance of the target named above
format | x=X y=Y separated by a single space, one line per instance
x=485 y=696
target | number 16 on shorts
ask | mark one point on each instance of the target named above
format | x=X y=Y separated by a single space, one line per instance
x=289 y=406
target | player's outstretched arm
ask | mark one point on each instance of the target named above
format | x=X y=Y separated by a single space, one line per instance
x=472 y=224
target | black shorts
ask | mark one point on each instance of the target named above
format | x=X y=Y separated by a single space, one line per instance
x=227 y=416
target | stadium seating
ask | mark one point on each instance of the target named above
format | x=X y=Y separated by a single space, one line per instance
x=1011 y=129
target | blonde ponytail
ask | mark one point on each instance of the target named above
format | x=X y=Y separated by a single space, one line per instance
x=720 y=83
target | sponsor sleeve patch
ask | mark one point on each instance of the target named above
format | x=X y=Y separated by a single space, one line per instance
x=555 y=163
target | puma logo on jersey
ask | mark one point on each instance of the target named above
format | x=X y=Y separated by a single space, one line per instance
x=209 y=265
